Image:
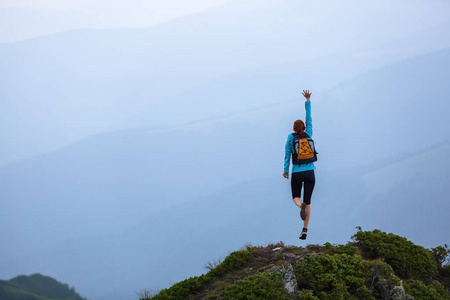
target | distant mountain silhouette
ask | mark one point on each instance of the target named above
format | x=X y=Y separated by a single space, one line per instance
x=63 y=87
x=36 y=287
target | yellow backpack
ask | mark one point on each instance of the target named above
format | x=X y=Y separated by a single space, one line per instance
x=303 y=149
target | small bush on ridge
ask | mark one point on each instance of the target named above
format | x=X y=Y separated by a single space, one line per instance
x=422 y=291
x=348 y=249
x=334 y=276
x=259 y=286
x=407 y=259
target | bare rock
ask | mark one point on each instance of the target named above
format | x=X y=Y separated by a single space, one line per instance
x=388 y=287
x=290 y=256
x=288 y=277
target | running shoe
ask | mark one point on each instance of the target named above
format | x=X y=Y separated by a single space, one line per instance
x=303 y=211
x=303 y=235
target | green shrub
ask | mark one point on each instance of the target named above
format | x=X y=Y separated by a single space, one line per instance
x=314 y=247
x=259 y=286
x=441 y=255
x=445 y=271
x=306 y=295
x=407 y=260
x=383 y=270
x=334 y=276
x=182 y=289
x=145 y=294
x=192 y=285
x=232 y=262
x=422 y=291
x=348 y=249
x=211 y=296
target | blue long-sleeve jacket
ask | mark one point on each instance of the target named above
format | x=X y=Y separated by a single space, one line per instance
x=290 y=139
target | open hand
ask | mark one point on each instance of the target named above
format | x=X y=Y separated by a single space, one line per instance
x=307 y=94
x=286 y=175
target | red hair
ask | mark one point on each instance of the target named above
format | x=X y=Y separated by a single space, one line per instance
x=299 y=127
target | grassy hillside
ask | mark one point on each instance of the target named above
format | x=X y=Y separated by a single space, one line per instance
x=374 y=265
x=36 y=287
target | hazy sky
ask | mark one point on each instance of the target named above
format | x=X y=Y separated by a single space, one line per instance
x=70 y=4
x=45 y=4
x=21 y=19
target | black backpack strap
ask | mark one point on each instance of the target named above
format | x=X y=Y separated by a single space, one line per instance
x=293 y=142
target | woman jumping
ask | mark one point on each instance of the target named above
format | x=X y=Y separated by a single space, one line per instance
x=301 y=173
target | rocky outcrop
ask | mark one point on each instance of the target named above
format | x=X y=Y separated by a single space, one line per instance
x=387 y=287
x=288 y=277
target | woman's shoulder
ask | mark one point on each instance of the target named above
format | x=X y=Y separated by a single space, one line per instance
x=290 y=138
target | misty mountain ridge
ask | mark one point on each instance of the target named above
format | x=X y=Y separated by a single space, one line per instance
x=16 y=24
x=102 y=79
x=419 y=69
x=36 y=287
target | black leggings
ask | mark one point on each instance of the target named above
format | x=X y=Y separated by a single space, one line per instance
x=306 y=177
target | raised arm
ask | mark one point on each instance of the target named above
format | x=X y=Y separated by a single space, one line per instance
x=308 y=130
x=308 y=125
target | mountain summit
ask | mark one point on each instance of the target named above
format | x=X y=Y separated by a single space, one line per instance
x=374 y=265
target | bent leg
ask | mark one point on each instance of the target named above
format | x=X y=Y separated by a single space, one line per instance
x=296 y=188
x=298 y=201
